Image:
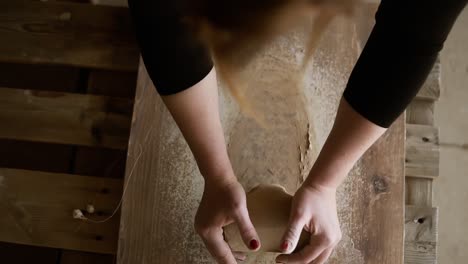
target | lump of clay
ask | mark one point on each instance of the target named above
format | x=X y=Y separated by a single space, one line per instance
x=269 y=207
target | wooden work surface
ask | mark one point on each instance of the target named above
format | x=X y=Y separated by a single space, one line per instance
x=164 y=186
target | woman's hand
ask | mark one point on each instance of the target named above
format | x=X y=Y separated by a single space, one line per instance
x=313 y=209
x=222 y=204
x=314 y=205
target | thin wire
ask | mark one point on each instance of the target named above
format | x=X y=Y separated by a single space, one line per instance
x=123 y=193
x=129 y=176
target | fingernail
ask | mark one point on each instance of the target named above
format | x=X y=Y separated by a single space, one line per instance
x=254 y=244
x=284 y=246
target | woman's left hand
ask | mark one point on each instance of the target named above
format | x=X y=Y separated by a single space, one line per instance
x=314 y=210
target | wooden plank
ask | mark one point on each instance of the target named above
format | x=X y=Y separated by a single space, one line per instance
x=64 y=118
x=146 y=130
x=422 y=151
x=418 y=191
x=38 y=210
x=63 y=33
x=421 y=224
x=22 y=254
x=420 y=112
x=77 y=257
x=431 y=88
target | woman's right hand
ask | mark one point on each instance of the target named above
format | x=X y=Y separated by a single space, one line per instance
x=223 y=203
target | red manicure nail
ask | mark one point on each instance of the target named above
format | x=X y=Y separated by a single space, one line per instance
x=254 y=244
x=284 y=246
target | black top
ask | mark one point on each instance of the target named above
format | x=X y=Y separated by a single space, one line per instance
x=394 y=64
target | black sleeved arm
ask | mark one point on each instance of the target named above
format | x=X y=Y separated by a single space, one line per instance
x=394 y=64
x=399 y=55
x=174 y=58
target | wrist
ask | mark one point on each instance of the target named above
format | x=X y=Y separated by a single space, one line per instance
x=220 y=179
x=325 y=177
x=320 y=188
x=320 y=185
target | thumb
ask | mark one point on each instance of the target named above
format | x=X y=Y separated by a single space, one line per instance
x=247 y=230
x=292 y=234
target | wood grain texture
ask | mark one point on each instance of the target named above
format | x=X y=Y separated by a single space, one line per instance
x=65 y=118
x=38 y=210
x=418 y=191
x=145 y=218
x=164 y=185
x=431 y=88
x=420 y=112
x=422 y=151
x=380 y=200
x=421 y=235
x=81 y=35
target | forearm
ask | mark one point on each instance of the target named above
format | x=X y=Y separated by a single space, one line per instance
x=196 y=112
x=399 y=55
x=350 y=137
x=394 y=64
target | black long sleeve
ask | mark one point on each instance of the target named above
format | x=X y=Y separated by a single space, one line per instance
x=394 y=64
x=174 y=58
x=399 y=55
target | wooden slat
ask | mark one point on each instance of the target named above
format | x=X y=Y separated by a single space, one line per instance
x=418 y=191
x=421 y=235
x=420 y=112
x=81 y=35
x=422 y=151
x=37 y=210
x=64 y=118
x=77 y=257
x=431 y=88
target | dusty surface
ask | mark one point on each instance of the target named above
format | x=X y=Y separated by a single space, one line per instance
x=158 y=211
x=298 y=115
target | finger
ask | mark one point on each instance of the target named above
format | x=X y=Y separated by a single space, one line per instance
x=247 y=230
x=292 y=234
x=323 y=257
x=306 y=255
x=217 y=247
x=239 y=256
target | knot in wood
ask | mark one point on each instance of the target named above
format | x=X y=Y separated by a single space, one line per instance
x=380 y=184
